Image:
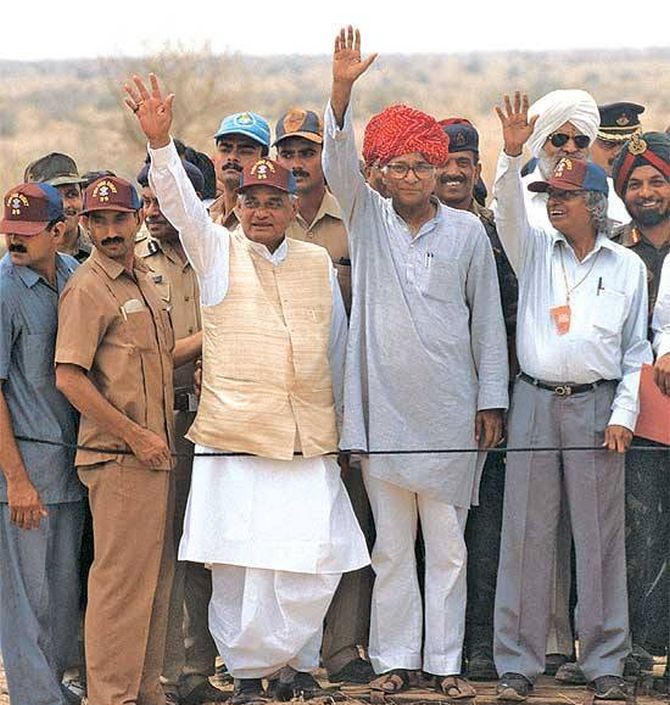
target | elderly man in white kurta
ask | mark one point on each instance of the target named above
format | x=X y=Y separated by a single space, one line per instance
x=426 y=369
x=278 y=530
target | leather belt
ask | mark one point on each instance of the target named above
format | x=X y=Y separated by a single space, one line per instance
x=185 y=401
x=562 y=390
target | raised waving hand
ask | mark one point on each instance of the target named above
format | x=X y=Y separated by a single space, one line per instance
x=153 y=112
x=348 y=67
x=516 y=126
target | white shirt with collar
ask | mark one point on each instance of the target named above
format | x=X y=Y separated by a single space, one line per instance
x=608 y=329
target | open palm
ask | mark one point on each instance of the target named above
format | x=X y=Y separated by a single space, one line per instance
x=153 y=112
x=347 y=62
x=516 y=126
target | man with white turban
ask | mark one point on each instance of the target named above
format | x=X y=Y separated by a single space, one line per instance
x=567 y=125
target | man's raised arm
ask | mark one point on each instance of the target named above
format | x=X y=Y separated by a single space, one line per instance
x=510 y=210
x=340 y=157
x=204 y=242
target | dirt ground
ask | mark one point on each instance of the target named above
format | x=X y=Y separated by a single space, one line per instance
x=547 y=692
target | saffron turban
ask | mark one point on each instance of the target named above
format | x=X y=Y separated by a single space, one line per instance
x=400 y=129
x=648 y=149
x=558 y=107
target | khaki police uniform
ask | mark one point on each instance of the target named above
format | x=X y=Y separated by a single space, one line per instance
x=117 y=328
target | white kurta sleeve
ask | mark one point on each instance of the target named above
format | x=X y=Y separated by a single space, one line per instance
x=340 y=164
x=636 y=352
x=516 y=234
x=660 y=321
x=487 y=326
x=337 y=346
x=206 y=244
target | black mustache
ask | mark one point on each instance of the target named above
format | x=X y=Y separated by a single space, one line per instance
x=300 y=172
x=17 y=248
x=444 y=179
x=231 y=165
x=112 y=240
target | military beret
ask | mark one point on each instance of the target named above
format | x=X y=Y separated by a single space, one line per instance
x=463 y=137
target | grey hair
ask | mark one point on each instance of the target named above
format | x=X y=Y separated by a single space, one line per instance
x=596 y=204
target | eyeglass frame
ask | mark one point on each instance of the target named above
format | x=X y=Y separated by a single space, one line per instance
x=431 y=169
x=562 y=138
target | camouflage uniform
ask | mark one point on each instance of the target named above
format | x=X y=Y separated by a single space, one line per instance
x=647 y=496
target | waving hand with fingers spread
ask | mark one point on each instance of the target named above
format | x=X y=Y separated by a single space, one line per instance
x=348 y=66
x=515 y=124
x=153 y=112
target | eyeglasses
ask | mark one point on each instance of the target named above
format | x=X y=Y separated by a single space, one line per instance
x=559 y=139
x=399 y=170
x=253 y=204
x=562 y=196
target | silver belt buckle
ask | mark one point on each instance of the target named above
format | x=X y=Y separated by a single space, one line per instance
x=564 y=390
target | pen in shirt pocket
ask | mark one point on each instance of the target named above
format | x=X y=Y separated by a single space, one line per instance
x=429 y=259
x=600 y=286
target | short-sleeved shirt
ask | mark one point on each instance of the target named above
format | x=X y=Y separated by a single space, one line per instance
x=28 y=323
x=328 y=230
x=177 y=283
x=116 y=327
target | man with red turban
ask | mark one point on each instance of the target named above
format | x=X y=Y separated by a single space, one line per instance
x=426 y=370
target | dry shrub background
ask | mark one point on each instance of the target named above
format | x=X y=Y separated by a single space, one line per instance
x=76 y=106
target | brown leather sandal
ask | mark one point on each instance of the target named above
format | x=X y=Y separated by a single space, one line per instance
x=455 y=688
x=393 y=681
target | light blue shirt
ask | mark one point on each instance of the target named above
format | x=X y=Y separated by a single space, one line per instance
x=28 y=324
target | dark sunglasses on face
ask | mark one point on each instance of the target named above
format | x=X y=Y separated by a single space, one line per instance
x=559 y=139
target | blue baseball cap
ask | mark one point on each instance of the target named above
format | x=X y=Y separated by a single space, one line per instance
x=29 y=208
x=250 y=124
x=573 y=175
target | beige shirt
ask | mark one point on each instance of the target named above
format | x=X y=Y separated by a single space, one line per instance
x=117 y=328
x=327 y=230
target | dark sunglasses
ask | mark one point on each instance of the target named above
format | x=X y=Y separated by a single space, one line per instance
x=559 y=139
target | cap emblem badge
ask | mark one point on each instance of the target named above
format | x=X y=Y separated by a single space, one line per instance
x=16 y=201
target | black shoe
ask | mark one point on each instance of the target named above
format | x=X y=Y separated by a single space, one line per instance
x=513 y=687
x=643 y=657
x=481 y=666
x=552 y=662
x=609 y=688
x=570 y=673
x=204 y=692
x=248 y=690
x=74 y=691
x=356 y=671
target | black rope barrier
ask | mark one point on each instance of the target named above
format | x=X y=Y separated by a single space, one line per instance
x=397 y=451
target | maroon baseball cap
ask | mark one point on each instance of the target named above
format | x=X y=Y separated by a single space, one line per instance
x=573 y=175
x=111 y=193
x=266 y=172
x=29 y=208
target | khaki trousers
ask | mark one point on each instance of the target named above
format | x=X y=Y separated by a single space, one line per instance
x=189 y=648
x=129 y=582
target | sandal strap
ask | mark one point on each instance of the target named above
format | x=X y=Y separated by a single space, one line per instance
x=397 y=677
x=456 y=687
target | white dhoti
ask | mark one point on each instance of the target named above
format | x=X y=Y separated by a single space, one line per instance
x=262 y=620
x=396 y=620
x=279 y=535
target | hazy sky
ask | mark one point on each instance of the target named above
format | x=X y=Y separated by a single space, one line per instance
x=76 y=28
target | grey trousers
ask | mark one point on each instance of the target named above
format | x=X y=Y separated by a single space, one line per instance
x=594 y=487
x=189 y=648
x=39 y=602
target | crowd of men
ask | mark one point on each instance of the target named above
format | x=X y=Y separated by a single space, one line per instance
x=222 y=387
